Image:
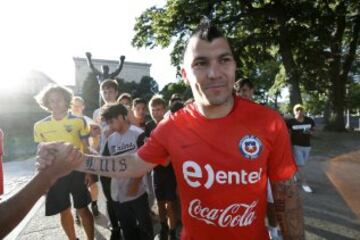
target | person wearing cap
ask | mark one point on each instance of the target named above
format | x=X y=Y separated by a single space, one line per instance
x=301 y=129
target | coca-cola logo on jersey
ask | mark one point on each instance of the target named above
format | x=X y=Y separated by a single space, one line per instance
x=196 y=177
x=234 y=215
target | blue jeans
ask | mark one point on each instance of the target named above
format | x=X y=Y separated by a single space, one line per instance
x=301 y=154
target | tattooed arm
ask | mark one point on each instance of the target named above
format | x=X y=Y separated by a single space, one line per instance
x=289 y=211
x=127 y=165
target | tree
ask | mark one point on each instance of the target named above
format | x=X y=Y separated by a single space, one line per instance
x=178 y=87
x=146 y=88
x=253 y=28
x=90 y=93
x=315 y=41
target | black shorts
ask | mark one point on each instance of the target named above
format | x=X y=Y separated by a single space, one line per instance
x=58 y=196
x=164 y=183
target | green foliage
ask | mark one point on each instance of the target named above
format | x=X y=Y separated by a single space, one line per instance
x=178 y=87
x=90 y=93
x=315 y=104
x=146 y=88
x=265 y=77
x=314 y=40
x=353 y=98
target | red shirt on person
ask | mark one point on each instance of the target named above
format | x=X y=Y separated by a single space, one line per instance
x=222 y=166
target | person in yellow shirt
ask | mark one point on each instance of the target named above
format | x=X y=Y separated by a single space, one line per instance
x=77 y=108
x=63 y=126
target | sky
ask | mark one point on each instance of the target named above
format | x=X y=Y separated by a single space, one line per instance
x=45 y=35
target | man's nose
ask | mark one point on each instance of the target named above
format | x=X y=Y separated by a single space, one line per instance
x=214 y=70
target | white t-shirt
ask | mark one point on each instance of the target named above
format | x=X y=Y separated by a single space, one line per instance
x=116 y=144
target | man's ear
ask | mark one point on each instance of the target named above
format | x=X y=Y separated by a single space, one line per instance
x=184 y=76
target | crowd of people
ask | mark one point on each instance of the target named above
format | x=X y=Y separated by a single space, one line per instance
x=120 y=126
x=221 y=158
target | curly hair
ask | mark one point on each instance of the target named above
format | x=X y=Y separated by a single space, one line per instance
x=42 y=98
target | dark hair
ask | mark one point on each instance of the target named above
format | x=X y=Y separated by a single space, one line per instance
x=175 y=97
x=242 y=82
x=111 y=111
x=125 y=96
x=205 y=31
x=137 y=101
x=109 y=83
x=176 y=106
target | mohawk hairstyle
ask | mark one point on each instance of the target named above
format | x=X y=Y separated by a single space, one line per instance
x=205 y=31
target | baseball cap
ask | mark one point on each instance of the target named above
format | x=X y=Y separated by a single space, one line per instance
x=298 y=106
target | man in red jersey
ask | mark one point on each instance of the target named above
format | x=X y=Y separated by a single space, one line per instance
x=222 y=149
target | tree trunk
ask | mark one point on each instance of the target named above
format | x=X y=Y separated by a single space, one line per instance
x=292 y=74
x=338 y=101
x=339 y=72
x=327 y=112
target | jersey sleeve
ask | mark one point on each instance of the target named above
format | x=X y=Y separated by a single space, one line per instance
x=155 y=148
x=37 y=134
x=84 y=129
x=281 y=164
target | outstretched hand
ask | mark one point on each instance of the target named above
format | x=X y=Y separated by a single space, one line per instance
x=122 y=58
x=58 y=158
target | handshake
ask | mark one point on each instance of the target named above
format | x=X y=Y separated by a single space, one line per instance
x=58 y=159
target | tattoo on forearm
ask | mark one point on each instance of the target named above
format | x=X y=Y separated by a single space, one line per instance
x=105 y=164
x=288 y=208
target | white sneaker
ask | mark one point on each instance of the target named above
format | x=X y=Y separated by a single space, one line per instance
x=307 y=188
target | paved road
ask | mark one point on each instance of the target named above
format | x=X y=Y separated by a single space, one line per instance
x=331 y=212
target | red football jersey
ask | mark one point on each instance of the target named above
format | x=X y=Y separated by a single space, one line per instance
x=222 y=166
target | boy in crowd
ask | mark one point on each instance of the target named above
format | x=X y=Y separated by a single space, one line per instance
x=139 y=110
x=129 y=193
x=163 y=177
x=244 y=88
x=125 y=99
x=109 y=93
x=301 y=129
x=63 y=126
x=77 y=108
x=139 y=118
